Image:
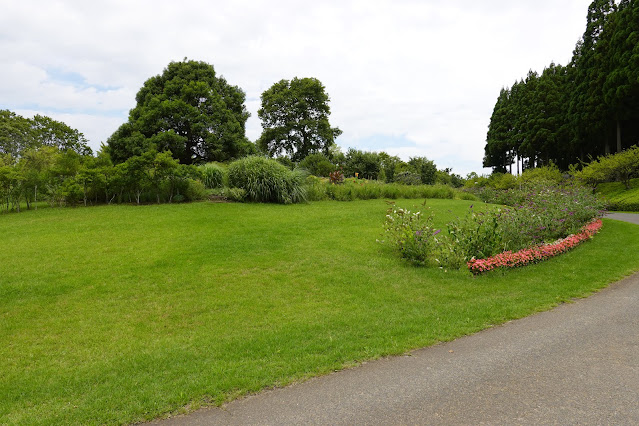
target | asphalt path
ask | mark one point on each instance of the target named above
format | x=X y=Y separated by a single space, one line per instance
x=626 y=217
x=575 y=364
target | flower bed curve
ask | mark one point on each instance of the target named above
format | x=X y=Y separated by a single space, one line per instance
x=535 y=254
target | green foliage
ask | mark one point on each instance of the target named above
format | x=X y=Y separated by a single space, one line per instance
x=286 y=161
x=447 y=177
x=502 y=181
x=195 y=190
x=619 y=198
x=408 y=178
x=390 y=166
x=294 y=117
x=477 y=235
x=425 y=168
x=19 y=135
x=413 y=235
x=549 y=175
x=214 y=175
x=266 y=180
x=363 y=164
x=189 y=111
x=361 y=189
x=621 y=167
x=317 y=164
x=235 y=194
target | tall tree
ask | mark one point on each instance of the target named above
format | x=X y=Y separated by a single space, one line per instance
x=588 y=108
x=189 y=111
x=294 y=117
x=621 y=85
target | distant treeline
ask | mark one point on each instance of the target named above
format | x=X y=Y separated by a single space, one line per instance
x=571 y=113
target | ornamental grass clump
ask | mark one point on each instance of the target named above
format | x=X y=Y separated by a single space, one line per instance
x=266 y=180
x=213 y=175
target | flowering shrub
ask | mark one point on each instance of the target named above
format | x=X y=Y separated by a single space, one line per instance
x=537 y=215
x=542 y=213
x=534 y=254
x=412 y=234
x=476 y=235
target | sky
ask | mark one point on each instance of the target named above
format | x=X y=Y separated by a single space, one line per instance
x=409 y=77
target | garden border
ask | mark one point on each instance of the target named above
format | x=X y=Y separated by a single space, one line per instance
x=535 y=254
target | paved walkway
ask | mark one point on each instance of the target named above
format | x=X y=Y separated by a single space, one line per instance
x=626 y=217
x=576 y=364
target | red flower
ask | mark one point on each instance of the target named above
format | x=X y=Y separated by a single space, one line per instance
x=534 y=254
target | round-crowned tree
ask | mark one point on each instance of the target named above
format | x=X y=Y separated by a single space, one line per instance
x=294 y=118
x=189 y=111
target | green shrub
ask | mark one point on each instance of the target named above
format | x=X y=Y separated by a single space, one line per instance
x=317 y=164
x=477 y=235
x=214 y=175
x=408 y=178
x=465 y=195
x=502 y=181
x=411 y=234
x=541 y=175
x=618 y=197
x=286 y=162
x=266 y=180
x=315 y=189
x=234 y=194
x=195 y=190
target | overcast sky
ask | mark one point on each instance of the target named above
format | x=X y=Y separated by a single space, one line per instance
x=412 y=78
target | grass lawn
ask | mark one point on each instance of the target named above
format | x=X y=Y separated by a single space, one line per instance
x=118 y=314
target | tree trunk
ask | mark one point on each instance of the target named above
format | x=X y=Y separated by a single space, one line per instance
x=618 y=136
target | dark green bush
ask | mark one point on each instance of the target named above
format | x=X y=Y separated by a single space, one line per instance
x=266 y=180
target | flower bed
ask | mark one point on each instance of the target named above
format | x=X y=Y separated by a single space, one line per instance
x=535 y=254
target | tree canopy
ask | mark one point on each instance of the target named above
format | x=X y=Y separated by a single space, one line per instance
x=189 y=111
x=587 y=108
x=19 y=134
x=294 y=118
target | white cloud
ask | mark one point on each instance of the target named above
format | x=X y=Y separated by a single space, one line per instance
x=425 y=72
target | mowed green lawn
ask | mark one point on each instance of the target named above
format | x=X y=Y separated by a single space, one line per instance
x=119 y=314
